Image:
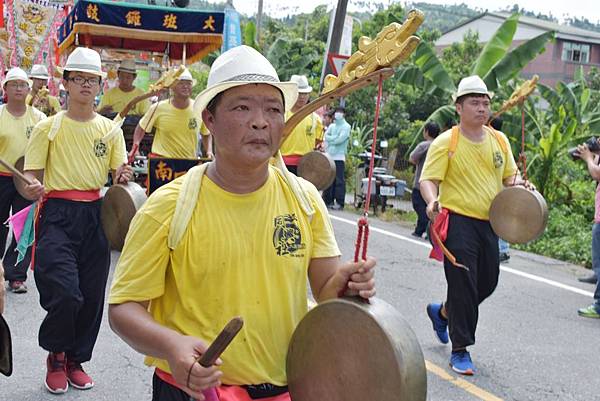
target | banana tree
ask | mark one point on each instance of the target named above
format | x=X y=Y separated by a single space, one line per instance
x=497 y=64
x=570 y=118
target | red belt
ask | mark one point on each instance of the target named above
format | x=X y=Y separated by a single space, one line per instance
x=292 y=160
x=75 y=195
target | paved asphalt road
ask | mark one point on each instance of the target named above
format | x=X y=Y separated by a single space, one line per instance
x=531 y=345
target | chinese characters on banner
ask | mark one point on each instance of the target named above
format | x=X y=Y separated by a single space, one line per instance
x=161 y=171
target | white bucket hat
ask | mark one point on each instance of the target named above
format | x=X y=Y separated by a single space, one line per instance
x=186 y=75
x=302 y=81
x=472 y=84
x=83 y=59
x=16 y=74
x=39 y=71
x=127 y=65
x=243 y=65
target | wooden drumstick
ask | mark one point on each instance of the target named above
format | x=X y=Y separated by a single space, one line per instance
x=224 y=338
x=16 y=172
x=208 y=358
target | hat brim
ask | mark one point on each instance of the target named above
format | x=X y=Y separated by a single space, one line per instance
x=127 y=70
x=193 y=80
x=61 y=71
x=39 y=77
x=472 y=92
x=289 y=90
x=305 y=90
x=29 y=81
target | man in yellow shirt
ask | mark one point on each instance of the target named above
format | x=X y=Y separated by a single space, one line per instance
x=176 y=126
x=307 y=135
x=49 y=105
x=17 y=120
x=72 y=153
x=255 y=237
x=114 y=100
x=464 y=170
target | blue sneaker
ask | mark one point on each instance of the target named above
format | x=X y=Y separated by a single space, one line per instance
x=460 y=362
x=440 y=325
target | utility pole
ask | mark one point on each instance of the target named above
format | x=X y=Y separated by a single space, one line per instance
x=259 y=20
x=335 y=36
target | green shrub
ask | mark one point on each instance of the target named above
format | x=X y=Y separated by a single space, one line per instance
x=568 y=237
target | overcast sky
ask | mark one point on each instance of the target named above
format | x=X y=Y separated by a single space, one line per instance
x=559 y=8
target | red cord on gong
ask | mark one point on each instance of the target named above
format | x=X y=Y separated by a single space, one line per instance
x=362 y=238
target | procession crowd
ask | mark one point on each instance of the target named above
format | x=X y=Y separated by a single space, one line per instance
x=243 y=223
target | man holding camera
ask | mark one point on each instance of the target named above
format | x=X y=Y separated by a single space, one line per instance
x=588 y=153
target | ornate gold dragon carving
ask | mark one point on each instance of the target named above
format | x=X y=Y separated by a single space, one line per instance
x=520 y=94
x=391 y=46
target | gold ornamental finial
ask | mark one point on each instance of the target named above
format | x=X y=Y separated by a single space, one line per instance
x=519 y=95
x=393 y=45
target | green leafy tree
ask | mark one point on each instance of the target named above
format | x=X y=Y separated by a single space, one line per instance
x=497 y=64
x=459 y=58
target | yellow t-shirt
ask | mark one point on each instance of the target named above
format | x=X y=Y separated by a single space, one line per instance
x=176 y=133
x=242 y=255
x=52 y=101
x=76 y=158
x=472 y=177
x=118 y=99
x=15 y=132
x=303 y=138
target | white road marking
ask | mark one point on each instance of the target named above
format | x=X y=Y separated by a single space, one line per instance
x=502 y=267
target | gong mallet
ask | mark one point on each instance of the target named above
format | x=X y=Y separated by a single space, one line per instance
x=16 y=172
x=217 y=347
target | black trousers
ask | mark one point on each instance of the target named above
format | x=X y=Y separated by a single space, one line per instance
x=337 y=190
x=163 y=391
x=420 y=207
x=72 y=260
x=474 y=245
x=10 y=199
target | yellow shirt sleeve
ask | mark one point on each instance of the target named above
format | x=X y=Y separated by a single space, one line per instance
x=510 y=167
x=37 y=148
x=204 y=129
x=436 y=162
x=118 y=152
x=145 y=256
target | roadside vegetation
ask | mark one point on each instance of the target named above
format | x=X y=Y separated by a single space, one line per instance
x=555 y=118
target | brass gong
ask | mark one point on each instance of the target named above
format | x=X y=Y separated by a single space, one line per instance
x=317 y=168
x=6 y=361
x=518 y=215
x=120 y=204
x=349 y=350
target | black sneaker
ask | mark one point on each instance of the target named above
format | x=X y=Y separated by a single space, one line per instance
x=504 y=257
x=591 y=279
